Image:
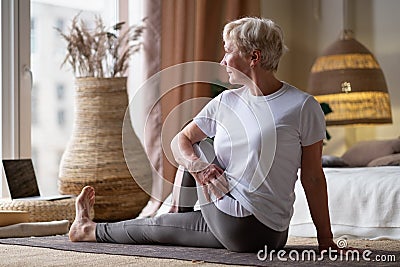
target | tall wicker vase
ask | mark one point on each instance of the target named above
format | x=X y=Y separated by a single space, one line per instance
x=94 y=155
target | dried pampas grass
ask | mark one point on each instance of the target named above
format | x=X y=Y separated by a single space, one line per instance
x=100 y=52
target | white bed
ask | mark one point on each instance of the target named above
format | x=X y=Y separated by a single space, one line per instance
x=363 y=203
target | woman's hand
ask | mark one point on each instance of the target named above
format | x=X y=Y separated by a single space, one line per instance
x=327 y=245
x=211 y=178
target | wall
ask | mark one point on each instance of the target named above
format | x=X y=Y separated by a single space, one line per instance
x=311 y=25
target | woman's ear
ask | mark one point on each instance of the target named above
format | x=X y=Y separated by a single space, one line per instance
x=255 y=57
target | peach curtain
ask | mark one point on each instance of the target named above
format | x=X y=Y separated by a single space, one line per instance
x=190 y=31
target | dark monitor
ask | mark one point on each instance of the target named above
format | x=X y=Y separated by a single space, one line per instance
x=21 y=178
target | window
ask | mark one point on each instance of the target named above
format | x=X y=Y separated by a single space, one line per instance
x=35 y=105
x=61 y=117
x=31 y=54
x=33 y=36
x=35 y=155
x=2 y=185
x=60 y=91
x=53 y=104
x=60 y=24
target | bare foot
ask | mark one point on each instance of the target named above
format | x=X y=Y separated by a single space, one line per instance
x=83 y=228
x=150 y=210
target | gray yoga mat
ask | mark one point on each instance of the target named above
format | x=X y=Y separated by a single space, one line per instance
x=221 y=256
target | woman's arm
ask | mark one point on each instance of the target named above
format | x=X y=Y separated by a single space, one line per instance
x=314 y=184
x=210 y=176
x=182 y=145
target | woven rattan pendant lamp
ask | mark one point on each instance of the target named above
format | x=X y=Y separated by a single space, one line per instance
x=348 y=77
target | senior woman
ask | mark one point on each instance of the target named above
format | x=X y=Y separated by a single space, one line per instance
x=246 y=195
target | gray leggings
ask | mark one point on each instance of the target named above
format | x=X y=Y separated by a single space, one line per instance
x=208 y=227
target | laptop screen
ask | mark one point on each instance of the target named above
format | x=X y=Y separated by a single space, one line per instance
x=21 y=178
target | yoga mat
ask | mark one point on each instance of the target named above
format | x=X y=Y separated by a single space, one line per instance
x=211 y=255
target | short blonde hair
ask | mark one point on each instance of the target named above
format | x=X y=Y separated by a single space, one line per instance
x=250 y=33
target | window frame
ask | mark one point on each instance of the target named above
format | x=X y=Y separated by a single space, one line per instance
x=16 y=82
x=16 y=79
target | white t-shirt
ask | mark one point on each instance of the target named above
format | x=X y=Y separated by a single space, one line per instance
x=258 y=140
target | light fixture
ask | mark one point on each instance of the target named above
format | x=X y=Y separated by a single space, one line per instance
x=349 y=79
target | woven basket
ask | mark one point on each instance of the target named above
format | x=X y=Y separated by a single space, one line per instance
x=43 y=211
x=94 y=155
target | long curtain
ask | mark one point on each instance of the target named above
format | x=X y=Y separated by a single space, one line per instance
x=190 y=30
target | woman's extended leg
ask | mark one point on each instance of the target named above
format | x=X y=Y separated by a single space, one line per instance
x=185 y=229
x=209 y=227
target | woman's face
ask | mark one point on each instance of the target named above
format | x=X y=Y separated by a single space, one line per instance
x=236 y=65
